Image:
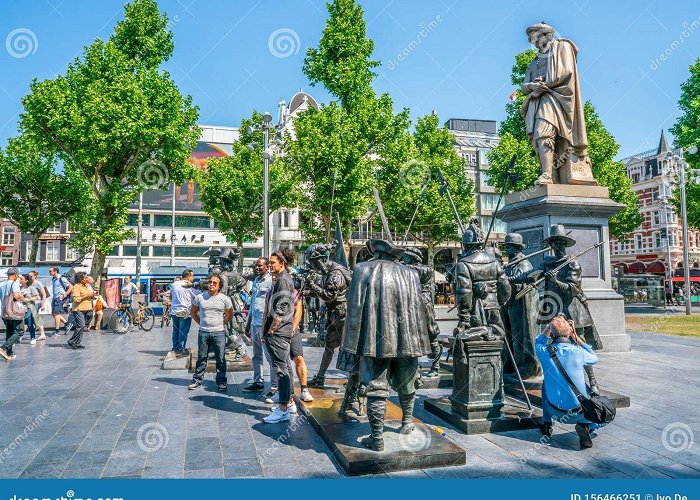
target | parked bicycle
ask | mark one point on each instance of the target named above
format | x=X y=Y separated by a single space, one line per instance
x=123 y=319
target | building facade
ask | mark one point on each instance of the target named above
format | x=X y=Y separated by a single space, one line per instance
x=656 y=247
x=9 y=243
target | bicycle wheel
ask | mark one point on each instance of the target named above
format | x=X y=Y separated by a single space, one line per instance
x=147 y=319
x=119 y=321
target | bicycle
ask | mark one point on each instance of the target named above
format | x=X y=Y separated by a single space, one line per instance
x=122 y=319
x=165 y=318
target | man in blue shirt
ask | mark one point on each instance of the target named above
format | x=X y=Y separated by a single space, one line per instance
x=182 y=293
x=253 y=328
x=12 y=326
x=558 y=400
x=61 y=290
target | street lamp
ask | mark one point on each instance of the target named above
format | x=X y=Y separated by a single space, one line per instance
x=267 y=155
x=678 y=167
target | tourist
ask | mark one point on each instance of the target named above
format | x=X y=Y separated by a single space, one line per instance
x=558 y=400
x=40 y=304
x=277 y=331
x=82 y=308
x=13 y=326
x=128 y=290
x=253 y=328
x=61 y=290
x=211 y=310
x=182 y=293
x=98 y=306
x=31 y=296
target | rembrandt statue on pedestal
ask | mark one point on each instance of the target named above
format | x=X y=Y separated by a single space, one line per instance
x=553 y=110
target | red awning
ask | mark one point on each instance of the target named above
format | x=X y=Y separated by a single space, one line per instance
x=680 y=279
x=636 y=268
x=656 y=268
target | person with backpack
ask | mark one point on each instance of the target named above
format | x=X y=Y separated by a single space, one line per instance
x=12 y=311
x=61 y=290
x=41 y=303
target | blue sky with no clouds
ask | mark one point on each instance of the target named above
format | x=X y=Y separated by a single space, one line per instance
x=236 y=56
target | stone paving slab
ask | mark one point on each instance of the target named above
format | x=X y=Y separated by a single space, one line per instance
x=111 y=411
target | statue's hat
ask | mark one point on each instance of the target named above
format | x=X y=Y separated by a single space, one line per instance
x=414 y=252
x=384 y=246
x=473 y=235
x=515 y=239
x=541 y=26
x=558 y=233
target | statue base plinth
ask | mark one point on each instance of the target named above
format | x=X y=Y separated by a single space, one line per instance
x=174 y=361
x=511 y=418
x=423 y=448
x=244 y=365
x=585 y=212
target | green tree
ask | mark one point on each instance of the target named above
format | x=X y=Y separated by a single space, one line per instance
x=337 y=149
x=431 y=148
x=35 y=196
x=342 y=60
x=687 y=133
x=602 y=149
x=118 y=121
x=231 y=188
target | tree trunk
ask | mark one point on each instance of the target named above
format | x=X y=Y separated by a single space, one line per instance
x=240 y=256
x=35 y=249
x=431 y=254
x=98 y=263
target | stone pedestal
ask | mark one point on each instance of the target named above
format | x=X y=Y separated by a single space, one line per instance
x=583 y=210
x=477 y=403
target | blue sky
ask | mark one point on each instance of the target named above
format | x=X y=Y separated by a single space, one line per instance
x=226 y=56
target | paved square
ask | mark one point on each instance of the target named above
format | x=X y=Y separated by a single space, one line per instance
x=111 y=411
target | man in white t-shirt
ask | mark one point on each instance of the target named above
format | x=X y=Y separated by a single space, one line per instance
x=182 y=293
x=211 y=310
x=128 y=290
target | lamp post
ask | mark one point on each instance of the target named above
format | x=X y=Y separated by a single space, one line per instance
x=267 y=155
x=680 y=166
x=139 y=228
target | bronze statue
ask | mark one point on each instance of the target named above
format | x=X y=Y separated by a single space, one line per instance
x=331 y=288
x=481 y=289
x=553 y=110
x=221 y=262
x=520 y=316
x=413 y=258
x=563 y=293
x=385 y=334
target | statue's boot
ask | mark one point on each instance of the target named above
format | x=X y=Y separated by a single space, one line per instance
x=407 y=401
x=376 y=411
x=545 y=154
x=434 y=358
x=592 y=382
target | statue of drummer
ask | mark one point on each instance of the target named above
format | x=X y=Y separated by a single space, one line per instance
x=385 y=334
x=413 y=258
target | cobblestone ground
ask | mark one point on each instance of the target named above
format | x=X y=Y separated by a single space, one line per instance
x=111 y=411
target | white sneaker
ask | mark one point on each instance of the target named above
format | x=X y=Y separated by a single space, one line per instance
x=306 y=396
x=292 y=408
x=32 y=342
x=276 y=416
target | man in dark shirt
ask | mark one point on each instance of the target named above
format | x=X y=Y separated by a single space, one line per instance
x=277 y=331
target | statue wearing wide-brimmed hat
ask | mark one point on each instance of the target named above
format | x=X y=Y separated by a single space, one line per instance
x=385 y=334
x=563 y=293
x=553 y=110
x=520 y=318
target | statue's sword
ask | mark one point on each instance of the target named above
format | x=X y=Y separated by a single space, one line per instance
x=380 y=209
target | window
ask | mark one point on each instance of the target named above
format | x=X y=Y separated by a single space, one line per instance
x=161 y=251
x=162 y=220
x=52 y=251
x=114 y=252
x=488 y=201
x=71 y=254
x=482 y=156
x=654 y=194
x=133 y=220
x=194 y=221
x=56 y=228
x=130 y=251
x=5 y=258
x=284 y=218
x=188 y=251
x=657 y=219
x=8 y=235
x=657 y=240
x=638 y=242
